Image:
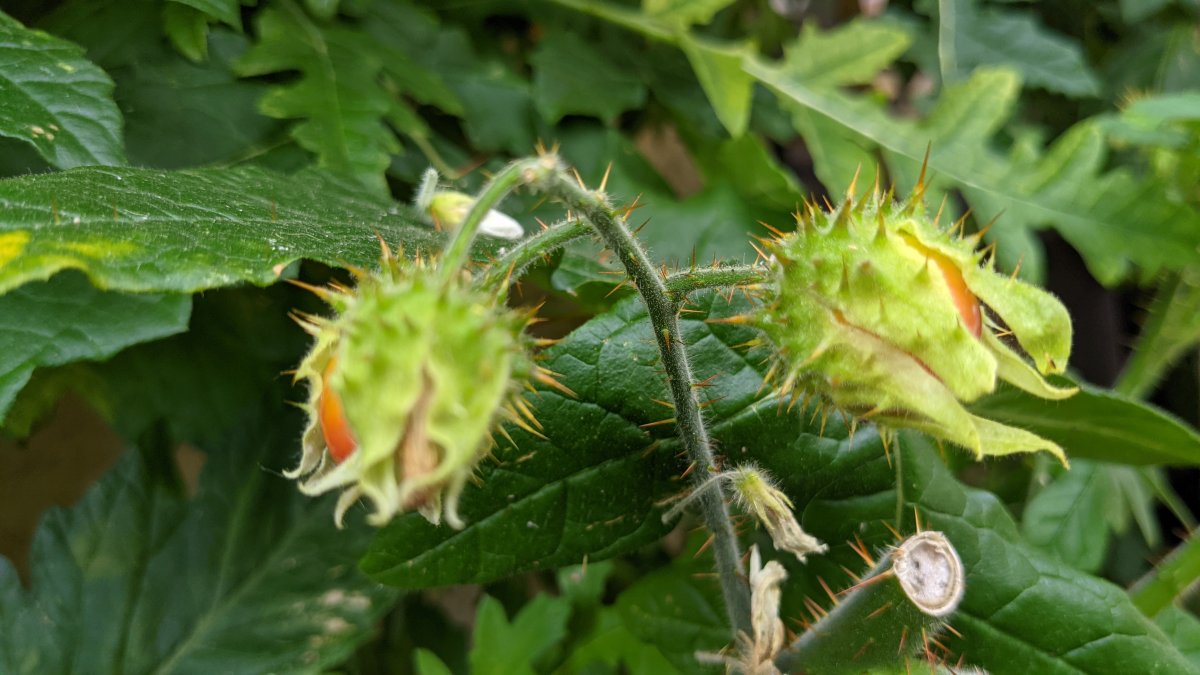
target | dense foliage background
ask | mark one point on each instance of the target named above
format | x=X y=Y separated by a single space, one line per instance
x=166 y=162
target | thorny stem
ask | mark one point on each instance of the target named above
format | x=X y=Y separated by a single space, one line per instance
x=690 y=424
x=518 y=258
x=520 y=172
x=681 y=283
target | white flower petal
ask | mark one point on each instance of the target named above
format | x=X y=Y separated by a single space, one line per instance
x=496 y=224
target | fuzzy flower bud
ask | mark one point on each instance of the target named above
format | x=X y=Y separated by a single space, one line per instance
x=406 y=384
x=449 y=208
x=890 y=317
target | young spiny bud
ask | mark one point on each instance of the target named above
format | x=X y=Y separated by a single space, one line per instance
x=893 y=319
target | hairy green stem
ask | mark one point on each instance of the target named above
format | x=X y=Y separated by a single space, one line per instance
x=1172 y=327
x=680 y=284
x=520 y=172
x=689 y=423
x=513 y=263
x=1169 y=579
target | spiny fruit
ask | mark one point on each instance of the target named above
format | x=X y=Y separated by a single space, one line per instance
x=890 y=317
x=406 y=384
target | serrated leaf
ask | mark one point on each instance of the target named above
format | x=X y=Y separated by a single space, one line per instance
x=338 y=95
x=570 y=77
x=152 y=231
x=679 y=612
x=609 y=642
x=504 y=648
x=56 y=100
x=66 y=319
x=247 y=576
x=728 y=87
x=593 y=487
x=181 y=114
x=971 y=37
x=1098 y=424
x=1114 y=220
x=852 y=53
x=1067 y=518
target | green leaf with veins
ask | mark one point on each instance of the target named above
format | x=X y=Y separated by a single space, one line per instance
x=1113 y=219
x=153 y=231
x=140 y=579
x=990 y=36
x=1183 y=629
x=570 y=77
x=338 y=96
x=1067 y=518
x=66 y=319
x=56 y=100
x=511 y=648
x=678 y=610
x=719 y=69
x=1098 y=424
x=181 y=114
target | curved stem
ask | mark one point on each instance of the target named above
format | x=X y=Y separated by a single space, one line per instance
x=680 y=284
x=520 y=172
x=513 y=263
x=689 y=423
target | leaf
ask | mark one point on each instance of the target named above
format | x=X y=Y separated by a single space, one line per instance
x=728 y=87
x=56 y=100
x=678 y=613
x=1065 y=187
x=181 y=114
x=1067 y=518
x=1022 y=612
x=187 y=29
x=228 y=12
x=247 y=576
x=153 y=231
x=1183 y=629
x=571 y=77
x=990 y=36
x=1168 y=580
x=1168 y=332
x=750 y=167
x=1133 y=11
x=501 y=648
x=1098 y=424
x=66 y=319
x=426 y=662
x=684 y=12
x=593 y=487
x=338 y=95
x=496 y=104
x=852 y=53
x=612 y=644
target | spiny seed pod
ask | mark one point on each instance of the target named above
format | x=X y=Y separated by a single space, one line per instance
x=892 y=613
x=889 y=317
x=405 y=385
